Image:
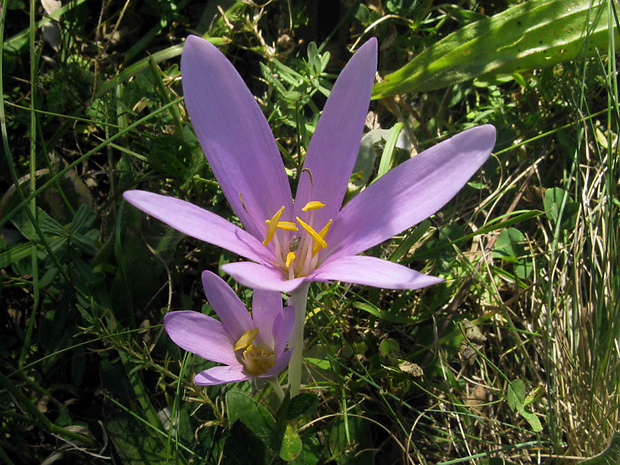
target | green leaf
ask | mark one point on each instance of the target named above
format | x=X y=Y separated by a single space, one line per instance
x=517 y=402
x=516 y=394
x=533 y=34
x=511 y=247
x=291 y=444
x=14 y=254
x=300 y=405
x=387 y=157
x=365 y=162
x=257 y=418
x=389 y=348
x=532 y=419
x=557 y=201
x=242 y=447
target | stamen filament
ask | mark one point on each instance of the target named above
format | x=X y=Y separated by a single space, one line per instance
x=322 y=233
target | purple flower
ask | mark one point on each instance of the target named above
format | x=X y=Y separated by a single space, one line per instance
x=313 y=238
x=249 y=346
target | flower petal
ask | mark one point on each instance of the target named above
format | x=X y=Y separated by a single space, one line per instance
x=410 y=192
x=199 y=223
x=372 y=271
x=263 y=277
x=335 y=143
x=221 y=375
x=200 y=335
x=266 y=308
x=232 y=313
x=282 y=329
x=234 y=135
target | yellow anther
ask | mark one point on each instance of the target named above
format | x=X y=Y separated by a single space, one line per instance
x=287 y=226
x=315 y=235
x=313 y=205
x=246 y=340
x=316 y=247
x=259 y=359
x=289 y=258
x=272 y=224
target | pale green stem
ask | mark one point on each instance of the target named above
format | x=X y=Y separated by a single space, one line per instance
x=299 y=297
x=277 y=389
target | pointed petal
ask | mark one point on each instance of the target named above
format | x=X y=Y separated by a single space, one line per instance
x=198 y=223
x=221 y=375
x=280 y=365
x=335 y=143
x=229 y=308
x=234 y=135
x=410 y=192
x=266 y=307
x=372 y=271
x=282 y=329
x=261 y=277
x=200 y=335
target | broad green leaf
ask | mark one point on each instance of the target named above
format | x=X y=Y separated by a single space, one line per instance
x=533 y=34
x=389 y=348
x=302 y=404
x=516 y=394
x=242 y=447
x=532 y=419
x=511 y=247
x=291 y=444
x=257 y=418
x=517 y=402
x=553 y=200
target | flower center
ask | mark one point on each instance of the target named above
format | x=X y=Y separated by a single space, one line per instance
x=257 y=359
x=297 y=254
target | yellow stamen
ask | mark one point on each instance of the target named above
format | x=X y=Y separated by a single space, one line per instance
x=272 y=225
x=315 y=235
x=287 y=226
x=246 y=340
x=316 y=247
x=259 y=359
x=289 y=258
x=313 y=205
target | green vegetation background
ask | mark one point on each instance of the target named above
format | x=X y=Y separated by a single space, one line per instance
x=514 y=359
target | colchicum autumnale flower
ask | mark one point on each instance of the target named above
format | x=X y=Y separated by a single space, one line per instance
x=313 y=238
x=248 y=345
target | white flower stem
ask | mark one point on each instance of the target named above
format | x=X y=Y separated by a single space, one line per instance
x=299 y=297
x=277 y=389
